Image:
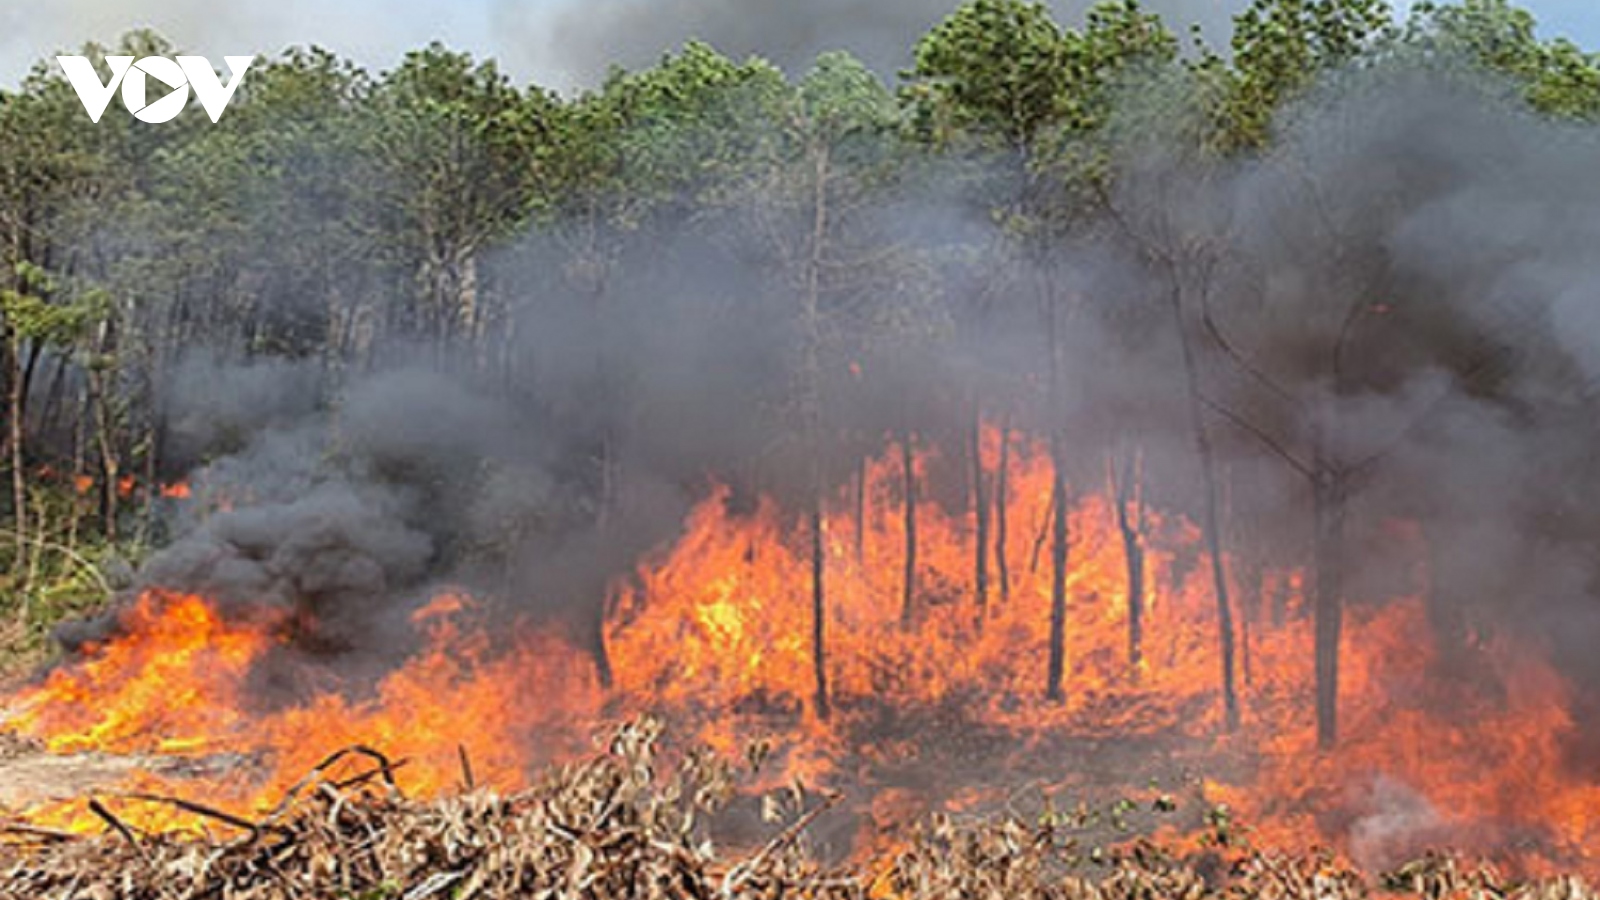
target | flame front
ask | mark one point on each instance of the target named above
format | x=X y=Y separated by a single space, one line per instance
x=715 y=633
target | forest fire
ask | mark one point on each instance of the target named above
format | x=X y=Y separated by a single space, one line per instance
x=714 y=634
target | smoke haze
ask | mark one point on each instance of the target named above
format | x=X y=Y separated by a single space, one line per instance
x=1442 y=232
x=562 y=43
x=558 y=43
x=1398 y=294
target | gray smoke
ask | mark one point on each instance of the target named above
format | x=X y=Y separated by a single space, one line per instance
x=374 y=32
x=344 y=515
x=1444 y=234
x=1440 y=234
x=583 y=40
x=562 y=44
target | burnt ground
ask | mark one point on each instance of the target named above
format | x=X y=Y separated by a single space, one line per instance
x=1095 y=792
x=29 y=776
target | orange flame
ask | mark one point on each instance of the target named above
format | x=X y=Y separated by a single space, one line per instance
x=715 y=632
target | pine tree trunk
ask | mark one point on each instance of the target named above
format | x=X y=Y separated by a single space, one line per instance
x=1219 y=580
x=861 y=516
x=1058 y=573
x=19 y=476
x=1280 y=604
x=603 y=672
x=79 y=415
x=819 y=609
x=812 y=415
x=980 y=517
x=595 y=621
x=1130 y=521
x=1328 y=502
x=1211 y=522
x=1446 y=609
x=1056 y=672
x=110 y=465
x=1002 y=500
x=908 y=597
x=1250 y=615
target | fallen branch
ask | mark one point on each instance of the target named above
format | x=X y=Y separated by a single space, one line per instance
x=466 y=767
x=385 y=767
x=38 y=831
x=99 y=809
x=199 y=809
x=741 y=873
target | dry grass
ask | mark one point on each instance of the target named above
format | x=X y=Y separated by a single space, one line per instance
x=625 y=824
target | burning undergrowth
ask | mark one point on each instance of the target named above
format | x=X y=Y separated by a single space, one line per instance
x=937 y=713
x=953 y=569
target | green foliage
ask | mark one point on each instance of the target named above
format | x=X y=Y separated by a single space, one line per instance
x=1280 y=47
x=1004 y=68
x=1555 y=77
x=994 y=68
x=65 y=574
x=1119 y=39
x=1001 y=74
x=694 y=115
x=842 y=99
x=458 y=150
x=61 y=323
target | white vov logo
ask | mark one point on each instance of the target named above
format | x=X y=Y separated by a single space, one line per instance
x=187 y=72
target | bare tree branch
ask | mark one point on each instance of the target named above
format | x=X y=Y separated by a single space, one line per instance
x=1253 y=430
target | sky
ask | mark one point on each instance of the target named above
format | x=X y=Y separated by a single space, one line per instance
x=562 y=44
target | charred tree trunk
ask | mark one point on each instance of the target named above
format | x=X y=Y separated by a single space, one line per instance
x=1058 y=573
x=1280 y=603
x=609 y=463
x=980 y=523
x=1249 y=571
x=1131 y=522
x=1002 y=499
x=1328 y=511
x=1211 y=524
x=819 y=609
x=908 y=597
x=1057 y=668
x=1250 y=617
x=610 y=500
x=1446 y=608
x=811 y=406
x=861 y=515
x=603 y=672
x=594 y=621
x=1219 y=581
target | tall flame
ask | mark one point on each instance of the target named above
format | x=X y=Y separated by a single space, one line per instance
x=715 y=632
